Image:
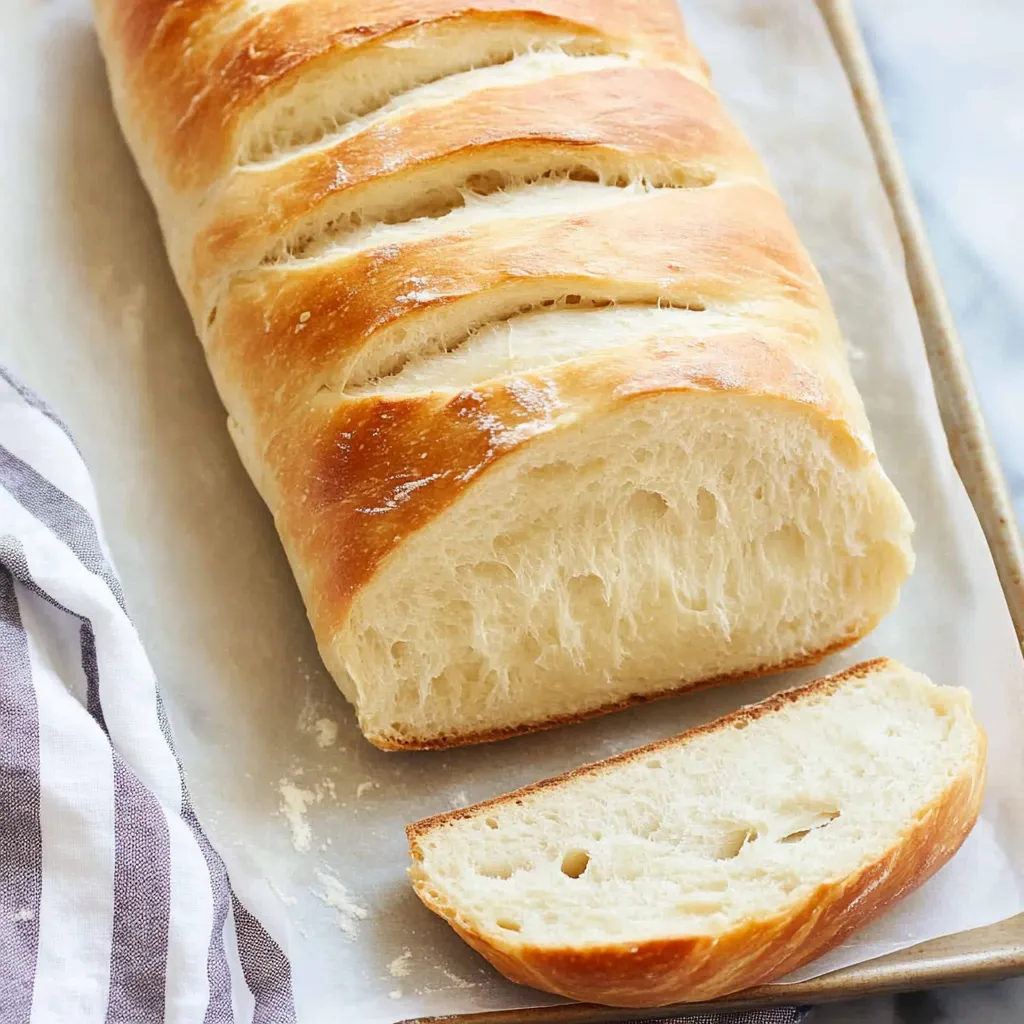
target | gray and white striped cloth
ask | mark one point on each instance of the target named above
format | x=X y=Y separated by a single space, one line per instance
x=114 y=906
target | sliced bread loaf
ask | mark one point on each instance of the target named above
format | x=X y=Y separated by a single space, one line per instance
x=719 y=859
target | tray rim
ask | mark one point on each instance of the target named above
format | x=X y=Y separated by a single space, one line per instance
x=982 y=954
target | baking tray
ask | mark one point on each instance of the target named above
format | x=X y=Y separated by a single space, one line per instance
x=984 y=954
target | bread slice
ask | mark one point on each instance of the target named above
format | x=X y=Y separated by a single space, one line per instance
x=719 y=859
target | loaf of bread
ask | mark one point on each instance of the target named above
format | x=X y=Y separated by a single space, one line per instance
x=517 y=343
x=721 y=859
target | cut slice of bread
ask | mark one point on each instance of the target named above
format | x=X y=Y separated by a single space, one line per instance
x=719 y=859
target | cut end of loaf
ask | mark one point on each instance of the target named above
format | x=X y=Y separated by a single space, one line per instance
x=721 y=859
x=682 y=539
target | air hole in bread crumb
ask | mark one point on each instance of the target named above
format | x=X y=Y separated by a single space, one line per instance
x=707 y=505
x=734 y=842
x=795 y=837
x=491 y=822
x=648 y=506
x=212 y=317
x=654 y=763
x=758 y=493
x=582 y=173
x=508 y=925
x=503 y=871
x=741 y=724
x=575 y=862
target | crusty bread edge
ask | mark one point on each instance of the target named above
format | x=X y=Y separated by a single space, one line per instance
x=698 y=969
x=389 y=743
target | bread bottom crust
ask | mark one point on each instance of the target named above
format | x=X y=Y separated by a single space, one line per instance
x=491 y=735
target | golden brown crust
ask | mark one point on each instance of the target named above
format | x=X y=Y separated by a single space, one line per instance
x=633 y=122
x=283 y=333
x=345 y=476
x=698 y=969
x=194 y=68
x=338 y=468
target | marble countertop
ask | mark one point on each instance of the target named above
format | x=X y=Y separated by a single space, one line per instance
x=952 y=74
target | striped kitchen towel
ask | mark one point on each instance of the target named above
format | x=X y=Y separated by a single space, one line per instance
x=114 y=907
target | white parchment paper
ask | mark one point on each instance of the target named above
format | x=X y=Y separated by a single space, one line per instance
x=309 y=816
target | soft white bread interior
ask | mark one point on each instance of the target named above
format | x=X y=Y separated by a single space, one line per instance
x=721 y=859
x=518 y=344
x=670 y=542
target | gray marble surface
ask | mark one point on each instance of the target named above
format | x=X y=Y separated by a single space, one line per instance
x=952 y=73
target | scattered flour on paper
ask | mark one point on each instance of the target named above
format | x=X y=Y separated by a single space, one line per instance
x=28 y=914
x=365 y=787
x=399 y=967
x=309 y=713
x=312 y=721
x=457 y=981
x=336 y=895
x=326 y=730
x=459 y=800
x=296 y=800
x=395 y=993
